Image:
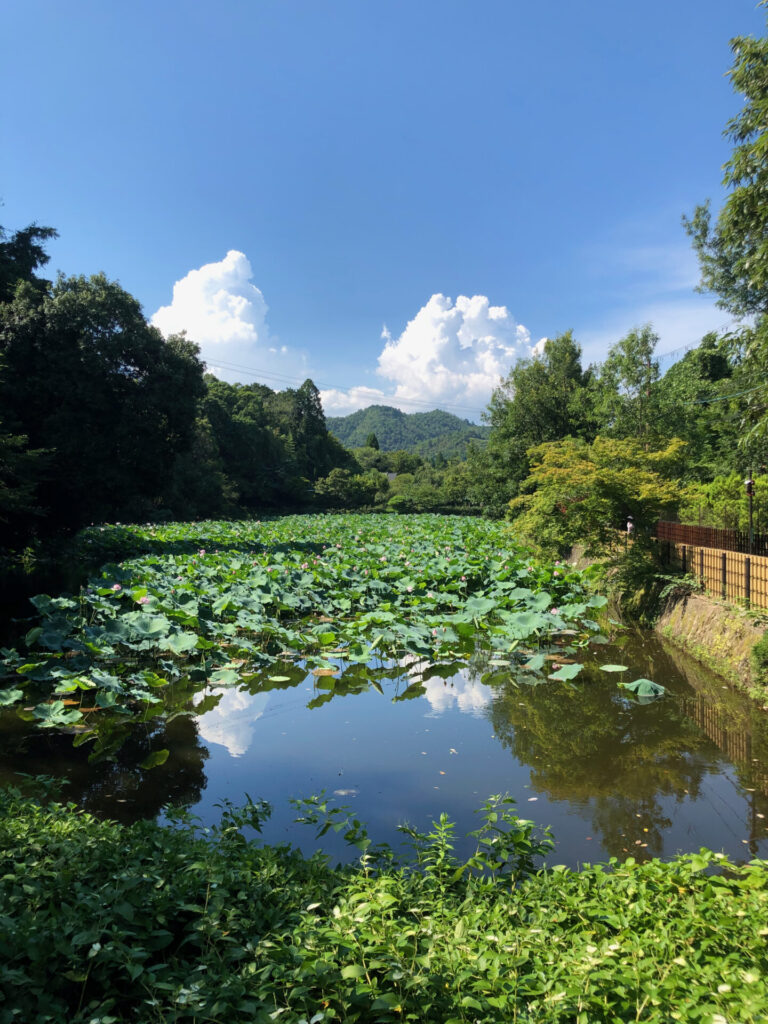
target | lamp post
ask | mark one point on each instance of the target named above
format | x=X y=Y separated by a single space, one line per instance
x=749 y=487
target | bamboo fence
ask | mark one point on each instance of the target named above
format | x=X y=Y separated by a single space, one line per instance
x=731 y=575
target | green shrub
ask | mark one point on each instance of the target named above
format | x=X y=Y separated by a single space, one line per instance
x=759 y=661
x=101 y=922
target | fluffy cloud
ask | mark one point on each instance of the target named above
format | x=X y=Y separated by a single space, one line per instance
x=225 y=313
x=452 y=354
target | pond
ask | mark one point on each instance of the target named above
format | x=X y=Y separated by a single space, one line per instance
x=404 y=740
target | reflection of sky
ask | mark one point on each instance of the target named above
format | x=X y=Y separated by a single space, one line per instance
x=231 y=722
x=469 y=697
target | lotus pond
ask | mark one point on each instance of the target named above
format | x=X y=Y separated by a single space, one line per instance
x=403 y=665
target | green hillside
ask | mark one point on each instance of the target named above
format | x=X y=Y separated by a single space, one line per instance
x=426 y=433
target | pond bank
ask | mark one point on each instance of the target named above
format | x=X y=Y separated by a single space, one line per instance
x=726 y=639
x=730 y=640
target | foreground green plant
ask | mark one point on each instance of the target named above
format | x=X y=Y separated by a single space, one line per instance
x=102 y=922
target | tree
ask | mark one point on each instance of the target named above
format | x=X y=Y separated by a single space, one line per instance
x=583 y=493
x=84 y=375
x=21 y=254
x=20 y=473
x=693 y=404
x=542 y=399
x=627 y=402
x=733 y=254
x=372 y=441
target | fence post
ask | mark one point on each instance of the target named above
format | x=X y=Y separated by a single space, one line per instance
x=724 y=565
x=701 y=567
x=683 y=557
x=747 y=580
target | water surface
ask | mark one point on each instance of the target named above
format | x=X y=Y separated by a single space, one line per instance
x=611 y=775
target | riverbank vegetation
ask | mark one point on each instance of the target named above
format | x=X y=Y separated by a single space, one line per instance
x=113 y=923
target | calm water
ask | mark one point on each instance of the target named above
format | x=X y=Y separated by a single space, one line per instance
x=610 y=774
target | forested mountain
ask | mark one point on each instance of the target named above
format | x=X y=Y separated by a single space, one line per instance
x=426 y=433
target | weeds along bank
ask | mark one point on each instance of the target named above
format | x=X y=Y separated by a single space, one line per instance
x=103 y=922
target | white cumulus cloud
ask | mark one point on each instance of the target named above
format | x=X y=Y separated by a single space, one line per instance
x=225 y=313
x=451 y=355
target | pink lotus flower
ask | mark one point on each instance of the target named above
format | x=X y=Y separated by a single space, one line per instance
x=116 y=586
x=554 y=611
x=143 y=600
x=409 y=589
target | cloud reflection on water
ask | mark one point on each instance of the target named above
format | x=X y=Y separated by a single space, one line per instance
x=231 y=722
x=470 y=697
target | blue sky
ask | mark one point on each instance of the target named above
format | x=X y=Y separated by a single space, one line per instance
x=365 y=165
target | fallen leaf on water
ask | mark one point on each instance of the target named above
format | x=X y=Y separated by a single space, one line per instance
x=324 y=671
x=452 y=751
x=442 y=773
x=532 y=798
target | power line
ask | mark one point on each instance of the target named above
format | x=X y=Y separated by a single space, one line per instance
x=253 y=371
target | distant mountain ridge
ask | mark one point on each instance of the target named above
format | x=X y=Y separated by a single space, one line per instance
x=425 y=433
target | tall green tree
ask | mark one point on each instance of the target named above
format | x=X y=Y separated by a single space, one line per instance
x=542 y=399
x=733 y=252
x=84 y=375
x=21 y=255
x=628 y=403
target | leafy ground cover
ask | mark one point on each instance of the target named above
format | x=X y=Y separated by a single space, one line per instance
x=182 y=606
x=103 y=922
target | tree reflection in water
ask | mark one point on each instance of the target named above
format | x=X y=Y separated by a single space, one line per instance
x=118 y=787
x=592 y=745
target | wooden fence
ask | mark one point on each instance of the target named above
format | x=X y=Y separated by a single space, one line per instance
x=712 y=537
x=727 y=574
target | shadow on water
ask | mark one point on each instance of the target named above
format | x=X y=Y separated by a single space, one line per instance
x=117 y=788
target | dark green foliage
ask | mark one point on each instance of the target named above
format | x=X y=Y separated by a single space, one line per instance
x=112 y=923
x=543 y=399
x=426 y=433
x=733 y=254
x=20 y=470
x=84 y=376
x=759 y=661
x=21 y=254
x=372 y=442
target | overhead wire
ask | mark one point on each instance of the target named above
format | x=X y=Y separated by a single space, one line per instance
x=261 y=373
